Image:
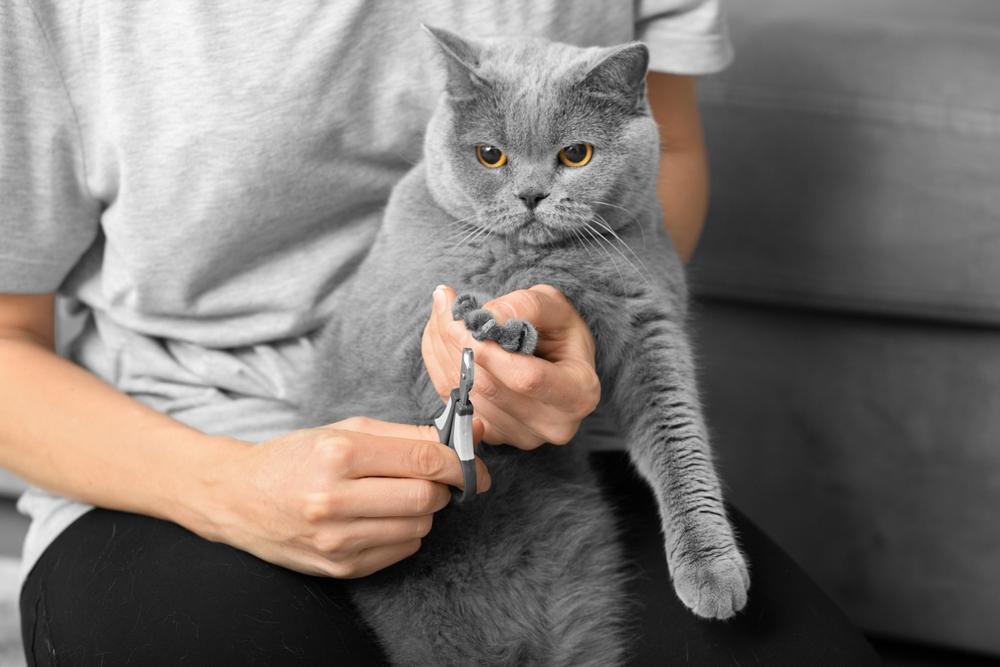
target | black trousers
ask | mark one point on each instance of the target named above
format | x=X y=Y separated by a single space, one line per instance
x=118 y=588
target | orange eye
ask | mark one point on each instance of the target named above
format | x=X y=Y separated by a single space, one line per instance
x=491 y=157
x=576 y=155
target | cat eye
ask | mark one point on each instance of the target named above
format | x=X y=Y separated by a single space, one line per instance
x=491 y=157
x=576 y=155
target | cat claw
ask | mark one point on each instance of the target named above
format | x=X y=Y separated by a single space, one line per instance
x=714 y=588
x=513 y=335
x=465 y=303
x=477 y=321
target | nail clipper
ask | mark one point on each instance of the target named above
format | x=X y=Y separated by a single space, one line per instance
x=454 y=427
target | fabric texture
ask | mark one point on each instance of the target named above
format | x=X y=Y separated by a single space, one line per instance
x=197 y=179
x=882 y=432
x=855 y=155
x=159 y=593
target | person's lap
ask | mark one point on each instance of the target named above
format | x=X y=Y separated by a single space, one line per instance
x=788 y=620
x=118 y=587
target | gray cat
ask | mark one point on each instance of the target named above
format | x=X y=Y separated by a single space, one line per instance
x=539 y=167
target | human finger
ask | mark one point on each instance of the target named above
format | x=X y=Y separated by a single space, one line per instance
x=572 y=384
x=543 y=305
x=371 y=560
x=402 y=458
x=346 y=538
x=379 y=497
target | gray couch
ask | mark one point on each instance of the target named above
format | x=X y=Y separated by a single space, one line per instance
x=849 y=301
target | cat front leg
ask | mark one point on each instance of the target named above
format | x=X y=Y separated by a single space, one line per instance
x=512 y=335
x=656 y=395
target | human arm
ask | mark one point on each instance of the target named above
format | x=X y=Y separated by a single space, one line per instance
x=341 y=501
x=682 y=183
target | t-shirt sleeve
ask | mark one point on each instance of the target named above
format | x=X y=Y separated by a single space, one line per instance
x=684 y=36
x=47 y=219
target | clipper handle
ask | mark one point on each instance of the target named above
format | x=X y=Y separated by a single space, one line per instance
x=454 y=427
x=461 y=442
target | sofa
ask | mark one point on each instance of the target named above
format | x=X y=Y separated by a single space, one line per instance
x=848 y=301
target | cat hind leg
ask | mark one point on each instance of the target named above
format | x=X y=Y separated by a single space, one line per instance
x=513 y=335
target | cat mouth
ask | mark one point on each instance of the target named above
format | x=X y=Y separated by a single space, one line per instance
x=534 y=229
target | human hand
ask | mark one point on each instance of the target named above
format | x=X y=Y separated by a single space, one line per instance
x=342 y=500
x=522 y=400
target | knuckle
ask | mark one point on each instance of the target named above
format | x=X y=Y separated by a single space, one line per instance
x=485 y=387
x=356 y=423
x=528 y=443
x=529 y=381
x=319 y=507
x=335 y=451
x=340 y=569
x=589 y=396
x=426 y=461
x=330 y=543
x=562 y=434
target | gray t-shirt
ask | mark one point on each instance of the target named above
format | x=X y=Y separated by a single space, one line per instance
x=197 y=178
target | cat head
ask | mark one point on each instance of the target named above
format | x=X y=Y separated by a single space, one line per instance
x=535 y=140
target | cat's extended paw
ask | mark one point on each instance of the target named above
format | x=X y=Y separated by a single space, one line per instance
x=464 y=304
x=517 y=336
x=512 y=335
x=479 y=322
x=714 y=587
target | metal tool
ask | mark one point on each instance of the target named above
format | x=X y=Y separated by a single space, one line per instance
x=454 y=427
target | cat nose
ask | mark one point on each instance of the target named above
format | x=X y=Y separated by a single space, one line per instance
x=531 y=198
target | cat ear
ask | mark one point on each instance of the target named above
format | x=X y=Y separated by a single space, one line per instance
x=462 y=60
x=621 y=74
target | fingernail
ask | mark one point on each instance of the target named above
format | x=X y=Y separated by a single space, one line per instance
x=438 y=298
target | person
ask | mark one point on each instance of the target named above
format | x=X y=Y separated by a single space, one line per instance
x=194 y=181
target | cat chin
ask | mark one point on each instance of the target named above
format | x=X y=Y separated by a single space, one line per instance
x=531 y=230
x=536 y=233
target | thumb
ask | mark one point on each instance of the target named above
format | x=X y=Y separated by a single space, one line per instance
x=443 y=297
x=377 y=427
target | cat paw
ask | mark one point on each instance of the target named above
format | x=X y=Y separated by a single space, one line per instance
x=465 y=303
x=714 y=588
x=512 y=335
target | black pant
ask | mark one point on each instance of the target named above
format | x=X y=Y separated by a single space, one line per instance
x=117 y=588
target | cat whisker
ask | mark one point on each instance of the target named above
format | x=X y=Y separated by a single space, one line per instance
x=631 y=215
x=464 y=228
x=468 y=236
x=460 y=221
x=482 y=233
x=583 y=242
x=576 y=240
x=607 y=227
x=597 y=237
x=601 y=234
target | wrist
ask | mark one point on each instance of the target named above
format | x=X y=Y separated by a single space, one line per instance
x=201 y=497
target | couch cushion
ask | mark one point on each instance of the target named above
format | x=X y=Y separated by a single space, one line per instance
x=856 y=159
x=866 y=447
